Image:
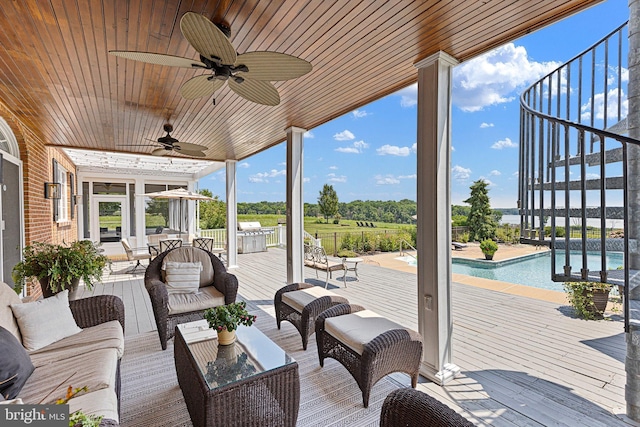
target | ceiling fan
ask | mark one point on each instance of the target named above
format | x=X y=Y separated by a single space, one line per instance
x=170 y=144
x=249 y=74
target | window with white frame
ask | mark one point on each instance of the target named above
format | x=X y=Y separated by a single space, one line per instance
x=61 y=206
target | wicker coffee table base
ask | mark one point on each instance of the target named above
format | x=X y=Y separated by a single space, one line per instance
x=268 y=399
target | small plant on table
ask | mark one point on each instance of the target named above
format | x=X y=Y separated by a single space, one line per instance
x=228 y=317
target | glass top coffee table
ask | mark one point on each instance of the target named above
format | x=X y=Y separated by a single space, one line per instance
x=250 y=382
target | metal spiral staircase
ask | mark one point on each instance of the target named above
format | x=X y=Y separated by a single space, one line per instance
x=574 y=147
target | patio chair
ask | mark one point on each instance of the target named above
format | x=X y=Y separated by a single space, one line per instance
x=134 y=255
x=169 y=244
x=413 y=408
x=458 y=246
x=153 y=241
x=205 y=243
x=213 y=286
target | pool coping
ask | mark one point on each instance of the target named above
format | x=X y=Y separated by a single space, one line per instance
x=489 y=264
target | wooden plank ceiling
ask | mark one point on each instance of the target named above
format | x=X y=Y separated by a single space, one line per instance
x=58 y=79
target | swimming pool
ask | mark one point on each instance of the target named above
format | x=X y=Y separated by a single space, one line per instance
x=531 y=270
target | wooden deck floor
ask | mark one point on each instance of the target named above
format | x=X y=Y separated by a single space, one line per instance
x=524 y=362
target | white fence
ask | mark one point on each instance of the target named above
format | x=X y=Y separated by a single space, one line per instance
x=276 y=236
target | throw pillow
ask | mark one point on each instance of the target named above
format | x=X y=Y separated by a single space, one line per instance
x=182 y=277
x=15 y=365
x=45 y=321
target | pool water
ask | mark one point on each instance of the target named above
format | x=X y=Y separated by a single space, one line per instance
x=532 y=270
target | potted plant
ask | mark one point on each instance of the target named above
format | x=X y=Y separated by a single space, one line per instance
x=59 y=267
x=488 y=248
x=589 y=299
x=226 y=318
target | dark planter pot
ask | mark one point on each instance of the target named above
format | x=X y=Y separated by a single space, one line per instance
x=600 y=299
x=488 y=257
x=47 y=292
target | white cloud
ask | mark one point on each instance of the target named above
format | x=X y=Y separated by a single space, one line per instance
x=453 y=148
x=306 y=179
x=612 y=106
x=332 y=177
x=504 y=143
x=592 y=176
x=358 y=114
x=386 y=180
x=489 y=182
x=484 y=125
x=345 y=135
x=393 y=150
x=308 y=135
x=408 y=96
x=264 y=176
x=244 y=165
x=414 y=147
x=495 y=173
x=460 y=173
x=351 y=150
x=357 y=148
x=360 y=144
x=495 y=77
x=333 y=167
x=412 y=176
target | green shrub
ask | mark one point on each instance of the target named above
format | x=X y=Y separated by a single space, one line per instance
x=344 y=253
x=580 y=295
x=488 y=247
x=463 y=238
x=560 y=231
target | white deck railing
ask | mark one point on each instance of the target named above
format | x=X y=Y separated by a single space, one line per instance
x=276 y=236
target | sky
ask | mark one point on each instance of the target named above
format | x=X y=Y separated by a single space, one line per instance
x=370 y=153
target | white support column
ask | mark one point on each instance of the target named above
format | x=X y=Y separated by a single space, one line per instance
x=232 y=215
x=434 y=215
x=295 y=205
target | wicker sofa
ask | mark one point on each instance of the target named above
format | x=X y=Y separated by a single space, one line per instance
x=88 y=358
x=217 y=287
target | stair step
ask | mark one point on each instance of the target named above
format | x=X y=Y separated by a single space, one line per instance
x=611 y=212
x=611 y=183
x=611 y=156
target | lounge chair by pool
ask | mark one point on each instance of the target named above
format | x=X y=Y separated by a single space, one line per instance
x=458 y=246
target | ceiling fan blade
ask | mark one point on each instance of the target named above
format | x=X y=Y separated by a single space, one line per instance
x=206 y=38
x=272 y=66
x=190 y=153
x=160 y=152
x=159 y=59
x=190 y=147
x=256 y=91
x=200 y=86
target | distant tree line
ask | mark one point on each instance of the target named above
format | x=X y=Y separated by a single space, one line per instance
x=398 y=212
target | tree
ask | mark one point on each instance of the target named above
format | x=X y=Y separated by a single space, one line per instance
x=480 y=220
x=213 y=213
x=328 y=201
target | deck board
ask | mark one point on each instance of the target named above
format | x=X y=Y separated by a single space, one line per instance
x=524 y=362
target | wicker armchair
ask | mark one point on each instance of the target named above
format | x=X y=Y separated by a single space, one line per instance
x=392 y=350
x=224 y=282
x=412 y=408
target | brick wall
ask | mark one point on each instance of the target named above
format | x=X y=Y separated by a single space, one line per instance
x=37 y=163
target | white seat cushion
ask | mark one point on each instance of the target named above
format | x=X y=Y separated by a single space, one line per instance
x=357 y=329
x=183 y=303
x=298 y=300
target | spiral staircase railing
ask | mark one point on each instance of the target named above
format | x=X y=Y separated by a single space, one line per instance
x=572 y=166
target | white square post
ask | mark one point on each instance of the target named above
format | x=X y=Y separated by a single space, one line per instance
x=295 y=205
x=434 y=215
x=232 y=215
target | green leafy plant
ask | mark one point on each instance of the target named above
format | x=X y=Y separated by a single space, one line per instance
x=586 y=296
x=79 y=418
x=345 y=253
x=62 y=264
x=488 y=247
x=229 y=316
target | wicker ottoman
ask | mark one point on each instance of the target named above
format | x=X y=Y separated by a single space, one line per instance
x=368 y=345
x=301 y=303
